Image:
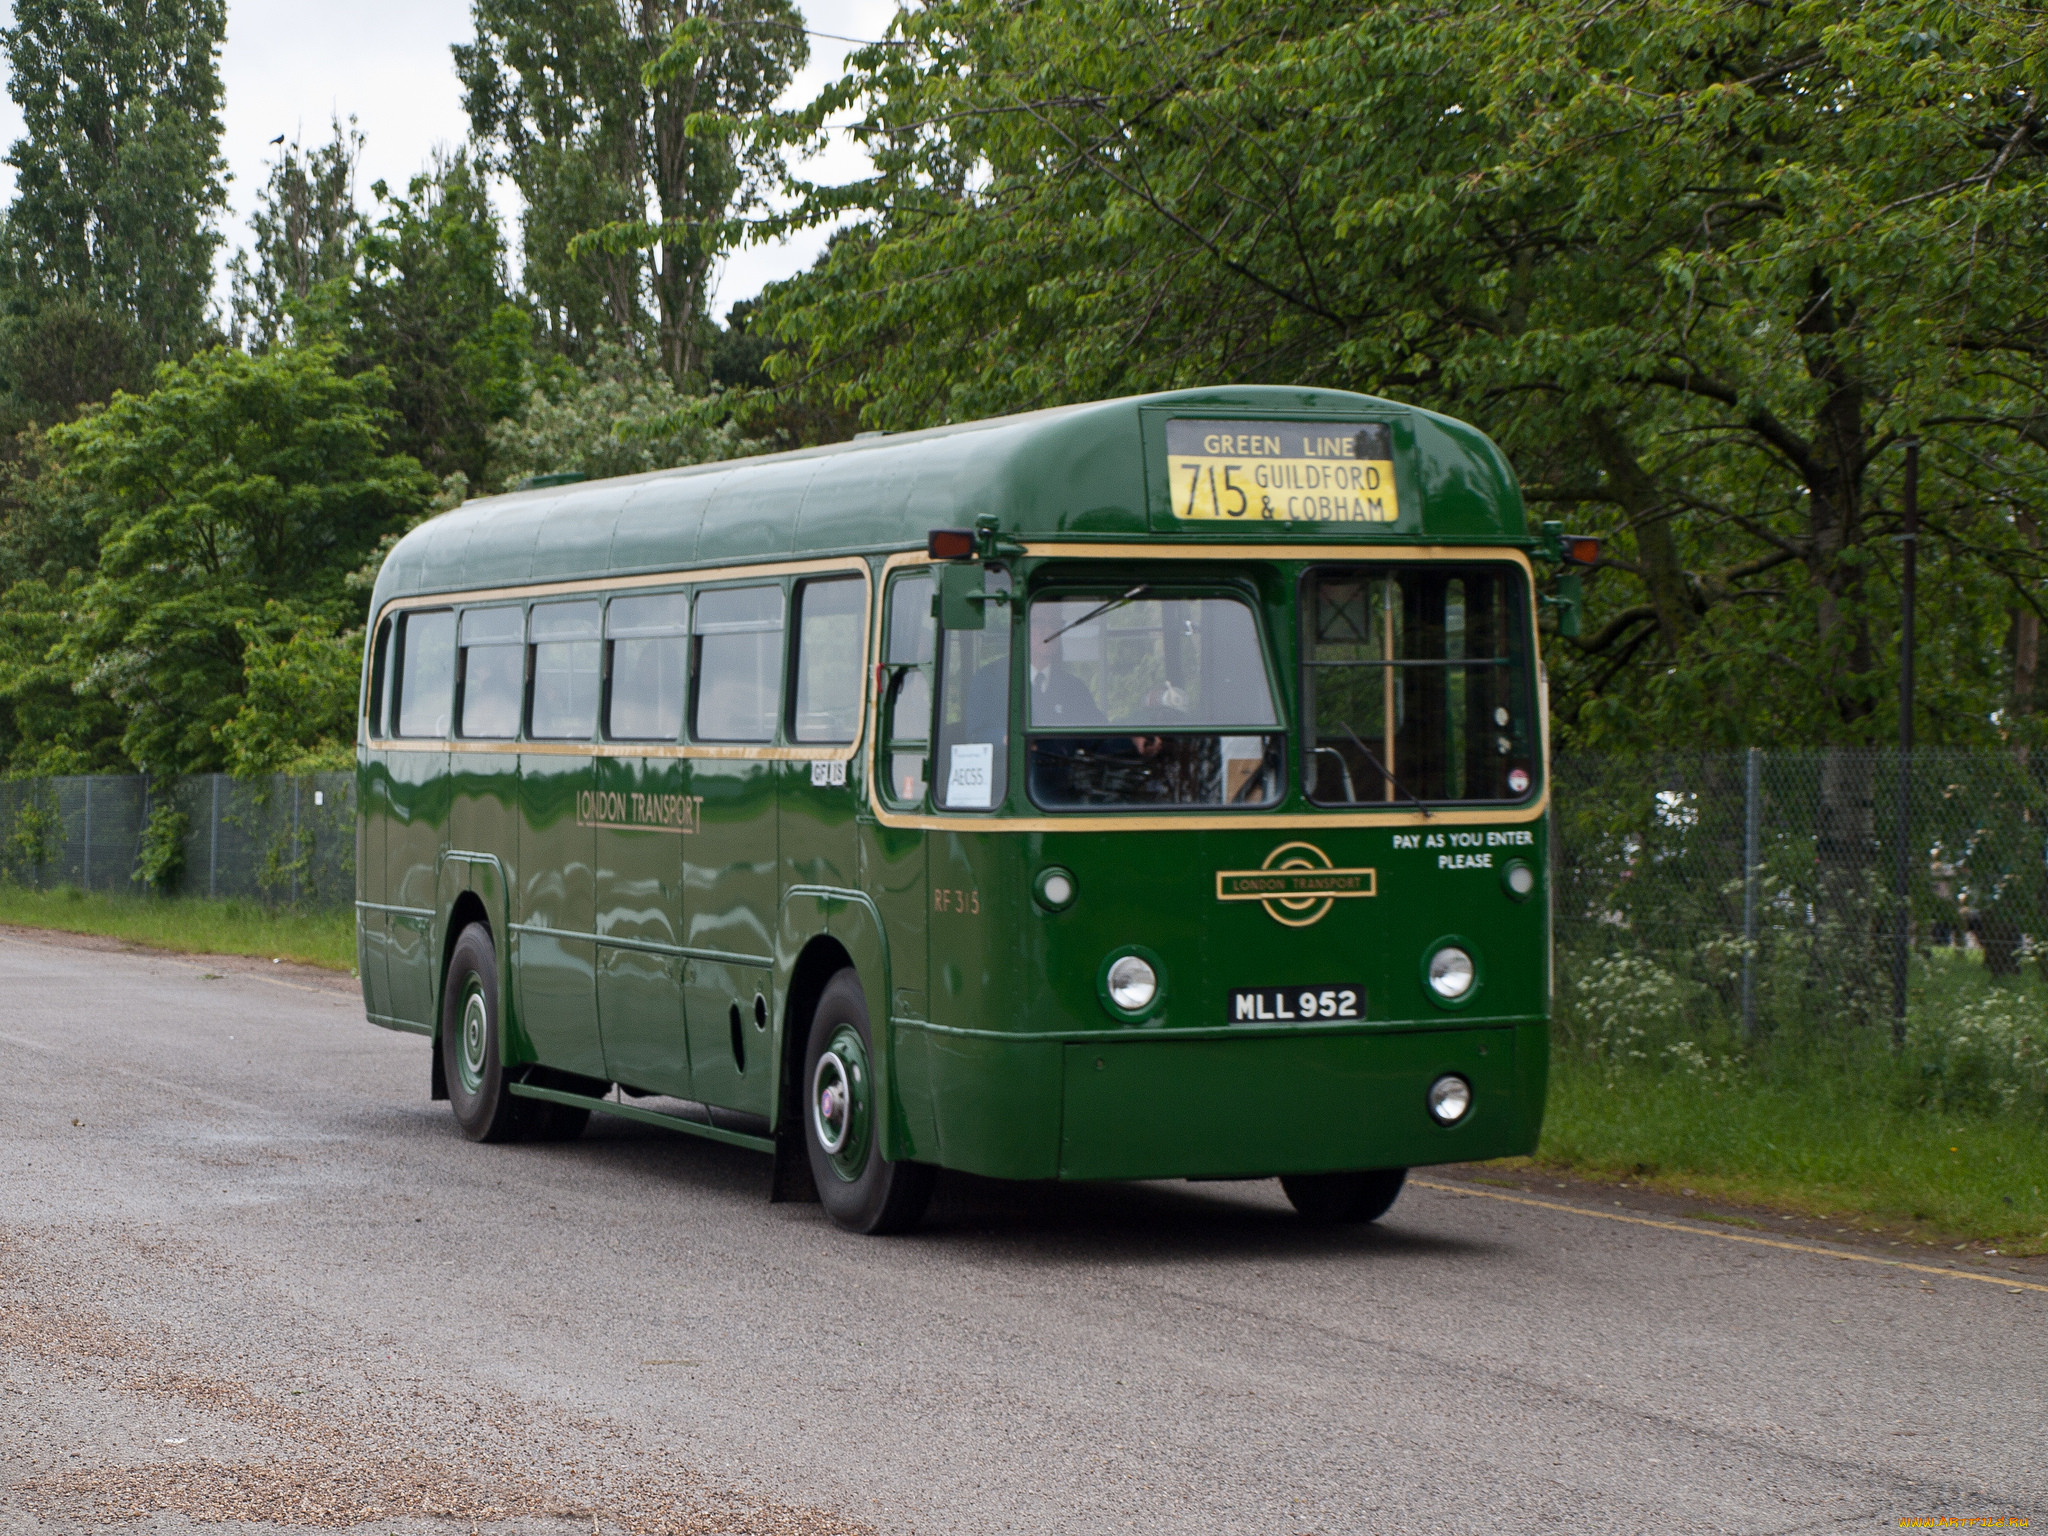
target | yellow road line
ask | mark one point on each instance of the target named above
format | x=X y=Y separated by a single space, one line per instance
x=1733 y=1237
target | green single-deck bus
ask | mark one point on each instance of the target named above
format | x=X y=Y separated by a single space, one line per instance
x=1145 y=789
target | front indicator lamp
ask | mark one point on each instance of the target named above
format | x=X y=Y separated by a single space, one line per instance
x=1451 y=973
x=1518 y=880
x=1054 y=888
x=1450 y=1099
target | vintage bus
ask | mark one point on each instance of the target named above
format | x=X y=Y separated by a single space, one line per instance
x=1145 y=789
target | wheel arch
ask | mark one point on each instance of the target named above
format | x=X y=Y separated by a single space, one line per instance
x=820 y=960
x=823 y=930
x=467 y=908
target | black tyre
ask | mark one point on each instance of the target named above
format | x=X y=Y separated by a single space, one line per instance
x=469 y=1042
x=1329 y=1199
x=861 y=1190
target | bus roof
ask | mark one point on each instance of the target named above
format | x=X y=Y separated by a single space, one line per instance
x=1096 y=472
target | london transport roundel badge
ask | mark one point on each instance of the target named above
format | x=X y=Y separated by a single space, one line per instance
x=1297 y=884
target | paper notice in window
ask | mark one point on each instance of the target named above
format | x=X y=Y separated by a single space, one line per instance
x=970 y=776
x=1244 y=759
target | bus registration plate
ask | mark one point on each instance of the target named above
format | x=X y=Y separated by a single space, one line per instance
x=1295 y=1005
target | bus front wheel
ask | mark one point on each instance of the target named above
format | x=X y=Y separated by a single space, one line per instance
x=469 y=1041
x=1331 y=1198
x=860 y=1189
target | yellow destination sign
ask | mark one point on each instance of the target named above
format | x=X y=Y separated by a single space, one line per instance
x=1279 y=472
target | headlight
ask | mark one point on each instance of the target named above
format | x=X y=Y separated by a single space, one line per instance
x=1450 y=1096
x=1132 y=984
x=1450 y=973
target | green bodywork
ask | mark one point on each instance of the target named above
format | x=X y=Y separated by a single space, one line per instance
x=685 y=963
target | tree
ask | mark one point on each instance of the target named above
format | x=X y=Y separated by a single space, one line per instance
x=640 y=137
x=428 y=305
x=307 y=227
x=1699 y=268
x=619 y=416
x=231 y=503
x=119 y=177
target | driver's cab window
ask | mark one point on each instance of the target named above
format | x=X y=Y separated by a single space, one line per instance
x=1149 y=698
x=909 y=650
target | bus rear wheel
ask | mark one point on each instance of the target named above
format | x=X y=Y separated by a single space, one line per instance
x=860 y=1189
x=469 y=1041
x=1331 y=1199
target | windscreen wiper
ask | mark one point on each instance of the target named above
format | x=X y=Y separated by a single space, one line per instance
x=1096 y=613
x=1381 y=768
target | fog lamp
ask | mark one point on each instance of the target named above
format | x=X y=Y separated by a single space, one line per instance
x=1450 y=973
x=1132 y=984
x=1450 y=1099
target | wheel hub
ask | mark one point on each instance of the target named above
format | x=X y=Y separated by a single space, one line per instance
x=841 y=1117
x=476 y=1035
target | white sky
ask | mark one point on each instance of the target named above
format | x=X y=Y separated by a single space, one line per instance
x=288 y=67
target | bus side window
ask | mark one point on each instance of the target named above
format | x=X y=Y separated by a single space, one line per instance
x=828 y=661
x=649 y=638
x=380 y=661
x=491 y=672
x=974 y=710
x=566 y=646
x=739 y=664
x=426 y=673
x=909 y=647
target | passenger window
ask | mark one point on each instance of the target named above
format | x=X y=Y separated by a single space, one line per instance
x=426 y=678
x=492 y=673
x=974 y=712
x=830 y=650
x=566 y=647
x=739 y=663
x=380 y=659
x=650 y=641
x=908 y=648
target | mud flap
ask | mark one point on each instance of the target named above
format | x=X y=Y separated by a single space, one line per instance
x=792 y=1183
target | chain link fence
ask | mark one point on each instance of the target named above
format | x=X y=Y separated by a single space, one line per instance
x=282 y=839
x=1755 y=890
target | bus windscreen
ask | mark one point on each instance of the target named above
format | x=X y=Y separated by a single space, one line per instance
x=1416 y=680
x=1143 y=698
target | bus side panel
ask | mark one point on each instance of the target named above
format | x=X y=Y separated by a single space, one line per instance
x=995 y=1102
x=373 y=927
x=1312 y=1103
x=892 y=873
x=555 y=959
x=730 y=914
x=640 y=925
x=415 y=837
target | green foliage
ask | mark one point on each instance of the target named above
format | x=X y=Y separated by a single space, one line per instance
x=427 y=307
x=618 y=416
x=162 y=860
x=119 y=176
x=307 y=227
x=298 y=713
x=191 y=925
x=1698 y=267
x=239 y=482
x=640 y=139
x=31 y=839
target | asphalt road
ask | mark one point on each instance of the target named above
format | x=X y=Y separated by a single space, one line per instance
x=249 y=1272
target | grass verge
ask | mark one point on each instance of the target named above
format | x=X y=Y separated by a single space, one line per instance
x=189 y=925
x=1846 y=1134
